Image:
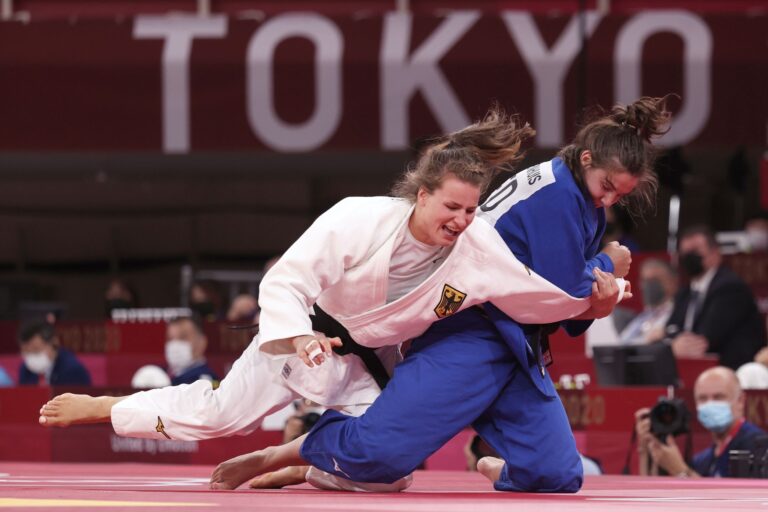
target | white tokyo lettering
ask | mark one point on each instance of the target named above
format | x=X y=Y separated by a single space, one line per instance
x=697 y=56
x=548 y=68
x=178 y=31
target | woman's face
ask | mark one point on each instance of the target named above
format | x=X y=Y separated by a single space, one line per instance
x=606 y=186
x=441 y=216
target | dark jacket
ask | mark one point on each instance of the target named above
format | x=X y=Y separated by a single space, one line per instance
x=728 y=318
x=705 y=463
x=194 y=373
x=67 y=371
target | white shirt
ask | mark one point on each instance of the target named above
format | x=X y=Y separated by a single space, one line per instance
x=699 y=287
x=412 y=262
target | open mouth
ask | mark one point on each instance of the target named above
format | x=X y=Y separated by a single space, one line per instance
x=451 y=232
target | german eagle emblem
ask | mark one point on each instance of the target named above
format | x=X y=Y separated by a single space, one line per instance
x=450 y=301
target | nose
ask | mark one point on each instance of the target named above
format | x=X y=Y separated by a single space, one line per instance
x=463 y=220
x=609 y=199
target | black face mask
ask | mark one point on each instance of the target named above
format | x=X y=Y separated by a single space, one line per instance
x=117 y=304
x=204 y=309
x=653 y=292
x=692 y=263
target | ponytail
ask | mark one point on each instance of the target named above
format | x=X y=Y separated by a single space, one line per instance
x=625 y=137
x=475 y=154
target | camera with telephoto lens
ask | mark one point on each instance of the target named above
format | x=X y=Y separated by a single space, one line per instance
x=751 y=463
x=669 y=416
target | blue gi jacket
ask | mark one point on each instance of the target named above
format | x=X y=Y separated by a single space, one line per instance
x=550 y=225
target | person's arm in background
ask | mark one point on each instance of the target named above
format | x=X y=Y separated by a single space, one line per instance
x=734 y=305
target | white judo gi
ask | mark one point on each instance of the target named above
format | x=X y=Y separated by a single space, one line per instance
x=342 y=263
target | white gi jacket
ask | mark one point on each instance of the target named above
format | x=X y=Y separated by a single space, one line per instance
x=342 y=263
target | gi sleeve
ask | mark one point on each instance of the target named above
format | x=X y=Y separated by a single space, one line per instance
x=521 y=293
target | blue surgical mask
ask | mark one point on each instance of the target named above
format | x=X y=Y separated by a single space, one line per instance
x=715 y=415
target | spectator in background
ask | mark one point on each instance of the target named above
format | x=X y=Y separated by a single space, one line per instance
x=618 y=228
x=754 y=375
x=205 y=300
x=720 y=410
x=756 y=229
x=658 y=286
x=45 y=358
x=271 y=263
x=185 y=352
x=119 y=295
x=244 y=309
x=716 y=311
x=5 y=379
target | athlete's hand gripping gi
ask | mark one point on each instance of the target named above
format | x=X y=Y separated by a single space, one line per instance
x=314 y=349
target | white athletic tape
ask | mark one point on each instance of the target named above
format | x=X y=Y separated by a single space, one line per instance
x=316 y=352
x=621 y=283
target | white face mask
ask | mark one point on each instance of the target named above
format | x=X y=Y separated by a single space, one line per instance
x=38 y=362
x=178 y=355
x=758 y=239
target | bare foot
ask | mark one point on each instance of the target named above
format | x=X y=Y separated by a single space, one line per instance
x=69 y=409
x=292 y=475
x=490 y=467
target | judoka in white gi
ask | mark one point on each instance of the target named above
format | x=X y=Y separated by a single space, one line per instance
x=386 y=268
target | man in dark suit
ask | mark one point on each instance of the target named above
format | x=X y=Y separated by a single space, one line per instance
x=45 y=362
x=716 y=311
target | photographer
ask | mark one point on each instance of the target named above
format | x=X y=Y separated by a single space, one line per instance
x=720 y=409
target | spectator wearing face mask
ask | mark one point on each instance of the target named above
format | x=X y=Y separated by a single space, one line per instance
x=244 y=310
x=716 y=311
x=185 y=352
x=720 y=410
x=618 y=227
x=658 y=285
x=45 y=362
x=5 y=379
x=205 y=300
x=119 y=295
x=756 y=229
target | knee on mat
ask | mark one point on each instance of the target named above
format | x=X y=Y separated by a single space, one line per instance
x=567 y=479
x=383 y=466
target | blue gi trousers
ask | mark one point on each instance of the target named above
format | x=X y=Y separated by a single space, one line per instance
x=460 y=371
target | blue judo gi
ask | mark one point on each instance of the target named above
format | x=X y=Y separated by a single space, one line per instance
x=477 y=366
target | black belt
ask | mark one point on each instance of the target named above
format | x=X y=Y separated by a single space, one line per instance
x=325 y=323
x=538 y=339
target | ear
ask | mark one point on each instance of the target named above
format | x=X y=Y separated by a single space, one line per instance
x=421 y=195
x=586 y=158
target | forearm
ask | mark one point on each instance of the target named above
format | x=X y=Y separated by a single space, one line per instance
x=592 y=314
